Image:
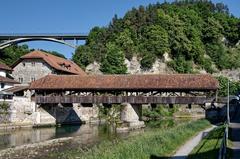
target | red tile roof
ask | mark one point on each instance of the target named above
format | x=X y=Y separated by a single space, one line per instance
x=127 y=82
x=7 y=80
x=5 y=67
x=58 y=63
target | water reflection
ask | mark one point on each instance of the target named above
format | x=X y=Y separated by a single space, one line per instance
x=34 y=135
x=86 y=134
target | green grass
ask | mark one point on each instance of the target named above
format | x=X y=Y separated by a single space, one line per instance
x=209 y=146
x=153 y=143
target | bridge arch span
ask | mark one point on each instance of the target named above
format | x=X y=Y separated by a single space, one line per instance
x=20 y=40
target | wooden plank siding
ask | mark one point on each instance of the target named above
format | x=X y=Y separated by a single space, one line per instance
x=123 y=99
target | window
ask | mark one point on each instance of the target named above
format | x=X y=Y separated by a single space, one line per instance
x=33 y=79
x=2 y=85
x=24 y=64
x=20 y=79
x=33 y=64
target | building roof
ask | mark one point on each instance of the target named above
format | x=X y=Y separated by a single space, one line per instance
x=58 y=63
x=127 y=82
x=5 y=67
x=7 y=80
x=15 y=89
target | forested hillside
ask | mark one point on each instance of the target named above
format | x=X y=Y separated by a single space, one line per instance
x=197 y=35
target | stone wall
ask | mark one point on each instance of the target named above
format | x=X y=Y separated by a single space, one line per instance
x=30 y=70
x=24 y=111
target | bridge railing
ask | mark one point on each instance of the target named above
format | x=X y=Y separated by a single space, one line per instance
x=223 y=148
x=121 y=99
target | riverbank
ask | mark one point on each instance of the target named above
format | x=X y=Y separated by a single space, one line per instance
x=154 y=143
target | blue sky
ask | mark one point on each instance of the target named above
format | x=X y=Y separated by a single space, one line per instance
x=68 y=16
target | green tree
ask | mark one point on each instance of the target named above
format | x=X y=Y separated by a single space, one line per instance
x=181 y=65
x=212 y=31
x=4 y=111
x=113 y=63
x=96 y=42
x=83 y=56
x=147 y=61
x=234 y=87
x=155 y=40
x=124 y=41
x=193 y=32
x=12 y=53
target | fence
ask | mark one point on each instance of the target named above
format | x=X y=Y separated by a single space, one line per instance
x=223 y=149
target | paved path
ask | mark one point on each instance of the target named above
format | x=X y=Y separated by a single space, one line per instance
x=184 y=150
x=235 y=137
x=234 y=128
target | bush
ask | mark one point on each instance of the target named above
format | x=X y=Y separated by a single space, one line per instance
x=4 y=107
x=181 y=65
x=234 y=87
x=147 y=61
x=160 y=111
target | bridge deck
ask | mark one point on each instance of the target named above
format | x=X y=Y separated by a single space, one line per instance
x=122 y=99
x=63 y=36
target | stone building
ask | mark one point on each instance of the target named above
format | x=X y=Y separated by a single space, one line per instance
x=5 y=80
x=38 y=64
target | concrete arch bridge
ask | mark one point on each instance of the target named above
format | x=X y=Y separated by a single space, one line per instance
x=10 y=39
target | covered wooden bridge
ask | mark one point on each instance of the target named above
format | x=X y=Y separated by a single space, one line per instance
x=133 y=89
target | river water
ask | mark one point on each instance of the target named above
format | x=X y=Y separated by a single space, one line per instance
x=88 y=134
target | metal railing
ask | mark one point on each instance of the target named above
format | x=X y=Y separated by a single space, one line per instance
x=223 y=149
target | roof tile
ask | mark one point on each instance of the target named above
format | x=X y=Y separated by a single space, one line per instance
x=7 y=80
x=5 y=67
x=127 y=82
x=58 y=63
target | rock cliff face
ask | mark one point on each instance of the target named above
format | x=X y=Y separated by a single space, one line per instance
x=233 y=74
x=93 y=68
x=160 y=67
x=134 y=67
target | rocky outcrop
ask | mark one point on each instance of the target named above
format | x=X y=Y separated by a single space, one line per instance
x=134 y=66
x=93 y=68
x=233 y=74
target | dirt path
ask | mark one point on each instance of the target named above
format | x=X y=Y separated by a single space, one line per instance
x=186 y=149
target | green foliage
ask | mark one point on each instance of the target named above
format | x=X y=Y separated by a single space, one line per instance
x=111 y=114
x=206 y=64
x=126 y=43
x=113 y=63
x=234 y=87
x=191 y=31
x=155 y=40
x=159 y=112
x=83 y=56
x=154 y=142
x=209 y=146
x=4 y=111
x=4 y=108
x=147 y=61
x=11 y=54
x=180 y=65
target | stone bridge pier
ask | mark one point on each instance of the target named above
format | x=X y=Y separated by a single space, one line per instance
x=132 y=114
